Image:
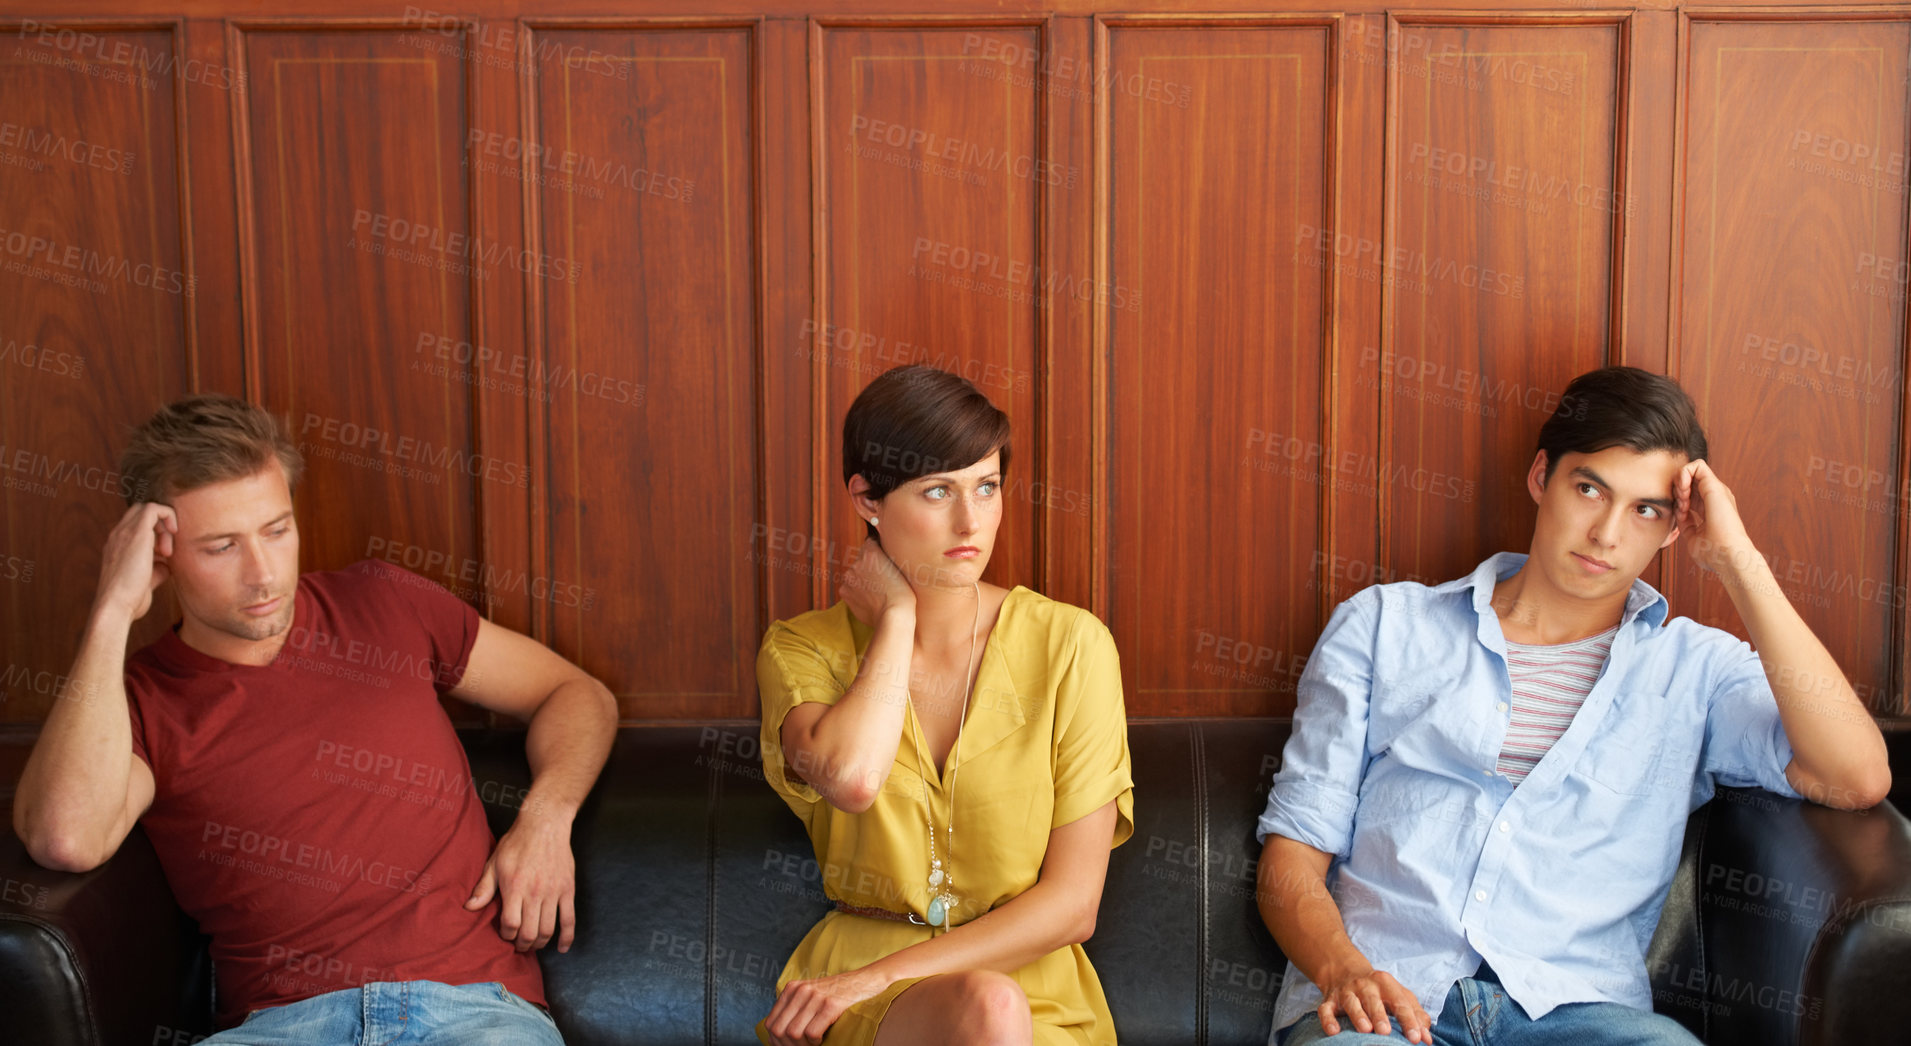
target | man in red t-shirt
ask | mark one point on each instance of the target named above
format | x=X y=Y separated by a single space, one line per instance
x=285 y=749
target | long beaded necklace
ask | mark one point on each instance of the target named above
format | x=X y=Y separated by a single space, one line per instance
x=942 y=898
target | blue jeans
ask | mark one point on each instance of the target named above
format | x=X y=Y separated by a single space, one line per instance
x=399 y=1013
x=1478 y=1012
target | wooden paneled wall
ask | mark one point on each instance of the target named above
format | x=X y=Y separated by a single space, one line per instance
x=565 y=301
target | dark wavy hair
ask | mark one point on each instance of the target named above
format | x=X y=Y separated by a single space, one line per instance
x=915 y=421
x=1622 y=407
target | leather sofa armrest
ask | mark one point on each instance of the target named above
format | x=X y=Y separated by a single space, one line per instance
x=1804 y=921
x=105 y=958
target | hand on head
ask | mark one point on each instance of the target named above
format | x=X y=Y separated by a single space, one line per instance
x=134 y=562
x=1707 y=516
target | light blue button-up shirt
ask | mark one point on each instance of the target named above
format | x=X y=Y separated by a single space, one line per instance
x=1440 y=861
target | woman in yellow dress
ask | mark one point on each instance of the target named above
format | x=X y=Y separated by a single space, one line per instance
x=957 y=751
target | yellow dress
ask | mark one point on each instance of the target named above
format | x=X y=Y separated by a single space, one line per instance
x=1045 y=743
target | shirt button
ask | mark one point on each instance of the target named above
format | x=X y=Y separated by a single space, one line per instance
x=1488 y=771
x=1504 y=827
x=1501 y=706
x=1479 y=895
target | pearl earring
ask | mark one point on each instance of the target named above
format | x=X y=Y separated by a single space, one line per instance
x=872 y=521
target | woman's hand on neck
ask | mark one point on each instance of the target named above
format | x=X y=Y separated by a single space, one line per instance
x=874 y=588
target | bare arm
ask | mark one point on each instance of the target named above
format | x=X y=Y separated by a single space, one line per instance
x=1059 y=910
x=845 y=750
x=83 y=789
x=1838 y=754
x=1291 y=892
x=573 y=722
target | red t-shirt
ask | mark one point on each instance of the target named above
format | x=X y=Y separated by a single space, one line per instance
x=317 y=815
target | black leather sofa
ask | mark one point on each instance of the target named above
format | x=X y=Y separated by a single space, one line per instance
x=1787 y=924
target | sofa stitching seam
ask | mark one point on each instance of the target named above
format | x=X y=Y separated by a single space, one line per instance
x=1698 y=926
x=712 y=798
x=1195 y=741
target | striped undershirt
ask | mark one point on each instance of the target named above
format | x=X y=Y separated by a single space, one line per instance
x=1549 y=685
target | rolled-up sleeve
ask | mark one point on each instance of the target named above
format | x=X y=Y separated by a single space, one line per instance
x=1745 y=742
x=790 y=670
x=1091 y=734
x=1317 y=789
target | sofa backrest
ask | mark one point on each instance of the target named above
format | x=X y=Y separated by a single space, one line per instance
x=696 y=883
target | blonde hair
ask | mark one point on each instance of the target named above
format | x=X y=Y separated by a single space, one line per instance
x=202 y=440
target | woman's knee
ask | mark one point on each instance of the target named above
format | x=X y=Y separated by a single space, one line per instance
x=995 y=1005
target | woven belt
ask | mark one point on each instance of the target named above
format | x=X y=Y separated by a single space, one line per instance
x=879 y=913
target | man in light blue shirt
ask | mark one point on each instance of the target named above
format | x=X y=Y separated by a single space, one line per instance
x=1417 y=860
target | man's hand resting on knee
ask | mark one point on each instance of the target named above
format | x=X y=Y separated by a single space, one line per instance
x=1367 y=999
x=1300 y=912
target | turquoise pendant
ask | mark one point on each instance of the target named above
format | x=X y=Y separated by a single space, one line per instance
x=937 y=912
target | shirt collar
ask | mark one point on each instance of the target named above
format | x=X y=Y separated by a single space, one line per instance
x=995 y=709
x=1643 y=601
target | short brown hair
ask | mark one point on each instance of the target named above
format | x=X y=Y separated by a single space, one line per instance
x=202 y=440
x=916 y=420
x=1622 y=407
